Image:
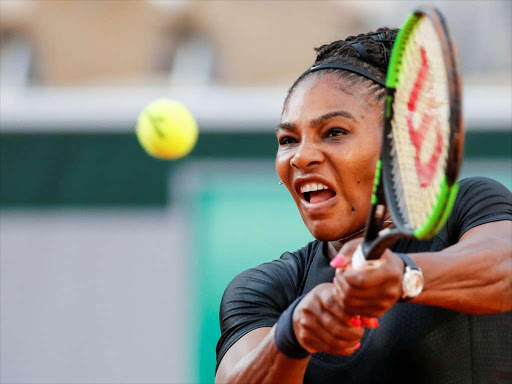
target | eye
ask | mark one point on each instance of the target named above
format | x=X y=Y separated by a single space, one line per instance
x=287 y=140
x=336 y=132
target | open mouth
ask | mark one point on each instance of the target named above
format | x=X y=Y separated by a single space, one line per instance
x=316 y=193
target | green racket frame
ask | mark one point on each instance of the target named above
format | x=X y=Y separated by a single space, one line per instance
x=375 y=241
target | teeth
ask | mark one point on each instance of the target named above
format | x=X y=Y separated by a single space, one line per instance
x=312 y=187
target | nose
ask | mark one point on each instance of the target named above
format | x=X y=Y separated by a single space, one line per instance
x=306 y=156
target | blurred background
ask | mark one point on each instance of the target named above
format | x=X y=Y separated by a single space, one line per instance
x=112 y=263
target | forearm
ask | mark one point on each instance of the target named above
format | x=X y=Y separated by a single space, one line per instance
x=265 y=364
x=473 y=276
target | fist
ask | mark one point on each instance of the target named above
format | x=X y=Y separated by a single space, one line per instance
x=321 y=324
x=367 y=292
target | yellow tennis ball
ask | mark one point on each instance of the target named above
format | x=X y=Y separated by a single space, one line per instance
x=166 y=129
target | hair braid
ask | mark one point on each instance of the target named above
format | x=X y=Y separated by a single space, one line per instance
x=377 y=47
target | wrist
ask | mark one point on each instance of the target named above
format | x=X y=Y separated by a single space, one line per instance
x=412 y=278
x=285 y=339
x=402 y=271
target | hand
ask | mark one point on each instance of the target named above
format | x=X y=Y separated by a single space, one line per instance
x=321 y=324
x=367 y=292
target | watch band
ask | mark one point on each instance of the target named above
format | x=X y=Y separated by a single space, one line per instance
x=409 y=265
x=408 y=261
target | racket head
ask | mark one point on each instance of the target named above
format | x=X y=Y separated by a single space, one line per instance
x=423 y=132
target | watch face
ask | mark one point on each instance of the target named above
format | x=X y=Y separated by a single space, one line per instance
x=412 y=283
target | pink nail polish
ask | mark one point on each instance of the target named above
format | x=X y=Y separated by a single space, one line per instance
x=337 y=261
x=358 y=345
x=356 y=322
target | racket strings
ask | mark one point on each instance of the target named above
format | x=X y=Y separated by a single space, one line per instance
x=420 y=126
x=397 y=179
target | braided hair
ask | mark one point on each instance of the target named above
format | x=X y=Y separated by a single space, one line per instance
x=369 y=52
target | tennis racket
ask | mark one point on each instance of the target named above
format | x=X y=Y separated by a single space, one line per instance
x=416 y=175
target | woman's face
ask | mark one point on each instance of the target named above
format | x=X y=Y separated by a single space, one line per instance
x=329 y=137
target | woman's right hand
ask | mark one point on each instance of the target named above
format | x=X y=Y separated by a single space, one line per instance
x=321 y=325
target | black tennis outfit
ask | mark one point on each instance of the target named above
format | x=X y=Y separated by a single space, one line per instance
x=414 y=343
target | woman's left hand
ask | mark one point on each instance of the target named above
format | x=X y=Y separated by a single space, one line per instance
x=367 y=292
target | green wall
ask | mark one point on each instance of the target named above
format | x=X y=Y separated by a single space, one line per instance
x=84 y=169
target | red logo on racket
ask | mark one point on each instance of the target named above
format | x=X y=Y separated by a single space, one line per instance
x=425 y=170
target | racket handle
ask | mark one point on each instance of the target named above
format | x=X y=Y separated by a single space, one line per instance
x=360 y=262
x=358 y=259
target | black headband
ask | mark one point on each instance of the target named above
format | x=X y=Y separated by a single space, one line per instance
x=346 y=67
x=363 y=54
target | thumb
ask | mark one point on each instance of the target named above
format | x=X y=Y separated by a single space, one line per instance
x=350 y=247
x=344 y=256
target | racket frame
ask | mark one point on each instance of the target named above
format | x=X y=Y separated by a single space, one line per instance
x=376 y=239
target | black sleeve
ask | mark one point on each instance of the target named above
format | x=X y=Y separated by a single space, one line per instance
x=480 y=200
x=257 y=297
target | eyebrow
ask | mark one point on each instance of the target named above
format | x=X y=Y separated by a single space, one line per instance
x=318 y=121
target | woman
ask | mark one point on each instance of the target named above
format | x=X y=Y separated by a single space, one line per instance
x=298 y=319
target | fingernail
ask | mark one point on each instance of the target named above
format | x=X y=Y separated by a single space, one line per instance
x=337 y=261
x=356 y=322
x=374 y=323
x=357 y=346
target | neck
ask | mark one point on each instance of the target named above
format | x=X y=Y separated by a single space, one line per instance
x=334 y=246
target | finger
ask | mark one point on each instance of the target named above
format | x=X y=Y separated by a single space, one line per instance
x=340 y=330
x=319 y=339
x=335 y=346
x=345 y=290
x=329 y=302
x=372 y=302
x=338 y=261
x=350 y=247
x=370 y=322
x=347 y=351
x=368 y=278
x=364 y=278
x=370 y=306
x=341 y=286
x=347 y=262
x=341 y=261
x=356 y=321
x=385 y=291
x=343 y=350
x=310 y=334
x=376 y=309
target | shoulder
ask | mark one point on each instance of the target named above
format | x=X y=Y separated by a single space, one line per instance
x=256 y=297
x=480 y=200
x=481 y=194
x=474 y=186
x=282 y=276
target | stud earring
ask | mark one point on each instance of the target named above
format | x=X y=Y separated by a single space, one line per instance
x=280 y=182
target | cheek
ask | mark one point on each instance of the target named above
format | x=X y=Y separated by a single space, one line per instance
x=367 y=163
x=367 y=172
x=357 y=172
x=283 y=165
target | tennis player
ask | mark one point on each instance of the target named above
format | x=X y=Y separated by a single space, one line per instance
x=436 y=311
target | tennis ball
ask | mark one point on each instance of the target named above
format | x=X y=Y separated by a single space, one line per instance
x=166 y=129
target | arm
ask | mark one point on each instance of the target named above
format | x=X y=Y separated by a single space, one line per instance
x=255 y=359
x=473 y=276
x=319 y=323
